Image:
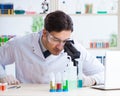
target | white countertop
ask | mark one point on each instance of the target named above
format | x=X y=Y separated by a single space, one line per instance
x=43 y=90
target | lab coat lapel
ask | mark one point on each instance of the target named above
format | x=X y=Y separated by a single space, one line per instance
x=35 y=45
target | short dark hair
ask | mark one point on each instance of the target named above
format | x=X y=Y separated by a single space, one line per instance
x=58 y=21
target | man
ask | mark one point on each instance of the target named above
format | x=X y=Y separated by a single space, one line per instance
x=32 y=66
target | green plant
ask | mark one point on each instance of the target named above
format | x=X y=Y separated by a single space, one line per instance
x=113 y=40
x=37 y=24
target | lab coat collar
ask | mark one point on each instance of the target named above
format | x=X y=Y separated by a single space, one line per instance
x=35 y=44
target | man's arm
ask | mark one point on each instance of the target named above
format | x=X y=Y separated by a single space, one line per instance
x=6 y=57
x=93 y=80
x=10 y=80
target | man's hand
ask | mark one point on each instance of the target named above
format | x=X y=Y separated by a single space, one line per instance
x=88 y=81
x=10 y=80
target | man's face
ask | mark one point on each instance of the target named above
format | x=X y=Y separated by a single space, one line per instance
x=55 y=41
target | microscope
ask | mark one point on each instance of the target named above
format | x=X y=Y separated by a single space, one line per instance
x=72 y=52
x=45 y=6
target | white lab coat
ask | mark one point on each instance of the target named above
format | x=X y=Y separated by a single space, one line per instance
x=32 y=67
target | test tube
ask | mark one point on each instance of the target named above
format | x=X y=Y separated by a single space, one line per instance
x=3 y=86
x=65 y=82
x=58 y=82
x=52 y=82
x=5 y=38
x=0 y=41
x=79 y=76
